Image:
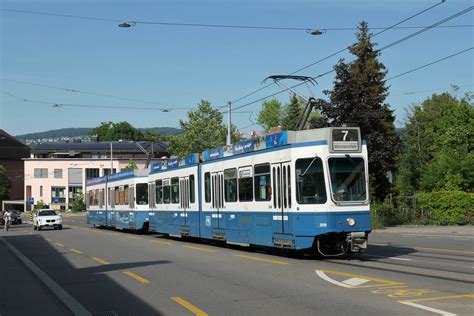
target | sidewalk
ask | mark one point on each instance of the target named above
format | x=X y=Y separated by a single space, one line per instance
x=467 y=230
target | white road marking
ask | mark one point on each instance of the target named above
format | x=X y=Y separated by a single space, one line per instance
x=397 y=258
x=355 y=281
x=323 y=276
x=75 y=307
x=430 y=309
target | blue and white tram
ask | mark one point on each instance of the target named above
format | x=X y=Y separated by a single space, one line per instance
x=119 y=200
x=297 y=190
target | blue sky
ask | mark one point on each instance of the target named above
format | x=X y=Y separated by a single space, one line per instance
x=176 y=67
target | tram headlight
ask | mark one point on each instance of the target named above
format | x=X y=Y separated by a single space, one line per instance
x=350 y=221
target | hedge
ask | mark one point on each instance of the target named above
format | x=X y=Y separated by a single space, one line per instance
x=447 y=207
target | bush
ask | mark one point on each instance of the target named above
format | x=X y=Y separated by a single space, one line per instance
x=78 y=204
x=447 y=207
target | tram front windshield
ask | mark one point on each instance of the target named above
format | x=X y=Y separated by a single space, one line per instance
x=348 y=182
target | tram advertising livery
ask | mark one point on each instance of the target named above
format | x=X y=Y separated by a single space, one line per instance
x=302 y=190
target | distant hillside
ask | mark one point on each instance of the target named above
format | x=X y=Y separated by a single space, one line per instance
x=82 y=133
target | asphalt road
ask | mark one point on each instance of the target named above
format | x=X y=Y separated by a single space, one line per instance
x=104 y=272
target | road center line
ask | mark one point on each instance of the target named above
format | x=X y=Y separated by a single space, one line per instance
x=76 y=251
x=100 y=260
x=161 y=242
x=133 y=237
x=71 y=303
x=200 y=248
x=59 y=244
x=439 y=298
x=262 y=259
x=136 y=277
x=196 y=311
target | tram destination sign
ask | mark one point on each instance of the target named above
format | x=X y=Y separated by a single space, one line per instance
x=345 y=139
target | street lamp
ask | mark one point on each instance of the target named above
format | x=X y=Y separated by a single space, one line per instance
x=316 y=32
x=126 y=24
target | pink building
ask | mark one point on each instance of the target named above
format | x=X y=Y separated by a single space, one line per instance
x=57 y=172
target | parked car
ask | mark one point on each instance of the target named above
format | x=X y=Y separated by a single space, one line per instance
x=47 y=218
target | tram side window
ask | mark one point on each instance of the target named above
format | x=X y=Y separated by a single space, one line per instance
x=159 y=191
x=192 y=195
x=166 y=192
x=101 y=198
x=125 y=195
x=230 y=185
x=245 y=184
x=207 y=187
x=310 y=186
x=91 y=197
x=96 y=197
x=142 y=193
x=175 y=190
x=263 y=189
x=117 y=195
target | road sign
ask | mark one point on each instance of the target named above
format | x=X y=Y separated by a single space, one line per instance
x=31 y=201
x=55 y=201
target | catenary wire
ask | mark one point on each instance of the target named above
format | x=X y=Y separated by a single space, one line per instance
x=383 y=48
x=342 y=50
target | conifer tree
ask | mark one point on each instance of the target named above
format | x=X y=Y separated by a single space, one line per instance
x=358 y=99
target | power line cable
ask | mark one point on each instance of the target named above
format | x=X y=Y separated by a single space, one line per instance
x=383 y=48
x=225 y=26
x=343 y=50
x=80 y=91
x=58 y=104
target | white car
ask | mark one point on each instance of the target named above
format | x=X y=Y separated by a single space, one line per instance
x=47 y=218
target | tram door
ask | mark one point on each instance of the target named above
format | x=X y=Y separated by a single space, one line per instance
x=184 y=200
x=217 y=199
x=281 y=200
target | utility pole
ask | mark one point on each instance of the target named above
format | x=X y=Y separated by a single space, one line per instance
x=229 y=123
x=111 y=160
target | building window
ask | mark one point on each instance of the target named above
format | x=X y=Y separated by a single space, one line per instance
x=41 y=172
x=41 y=191
x=92 y=173
x=58 y=197
x=58 y=173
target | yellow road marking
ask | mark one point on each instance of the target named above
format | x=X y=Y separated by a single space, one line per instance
x=59 y=244
x=445 y=250
x=136 y=277
x=196 y=311
x=76 y=251
x=262 y=259
x=200 y=248
x=376 y=285
x=362 y=277
x=133 y=237
x=374 y=244
x=439 y=298
x=48 y=239
x=161 y=242
x=100 y=260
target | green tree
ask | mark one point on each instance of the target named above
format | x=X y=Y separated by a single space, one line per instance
x=78 y=204
x=437 y=146
x=204 y=129
x=109 y=131
x=151 y=135
x=291 y=114
x=270 y=115
x=130 y=166
x=358 y=99
x=5 y=184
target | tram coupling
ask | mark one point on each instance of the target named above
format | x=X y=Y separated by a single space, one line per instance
x=357 y=241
